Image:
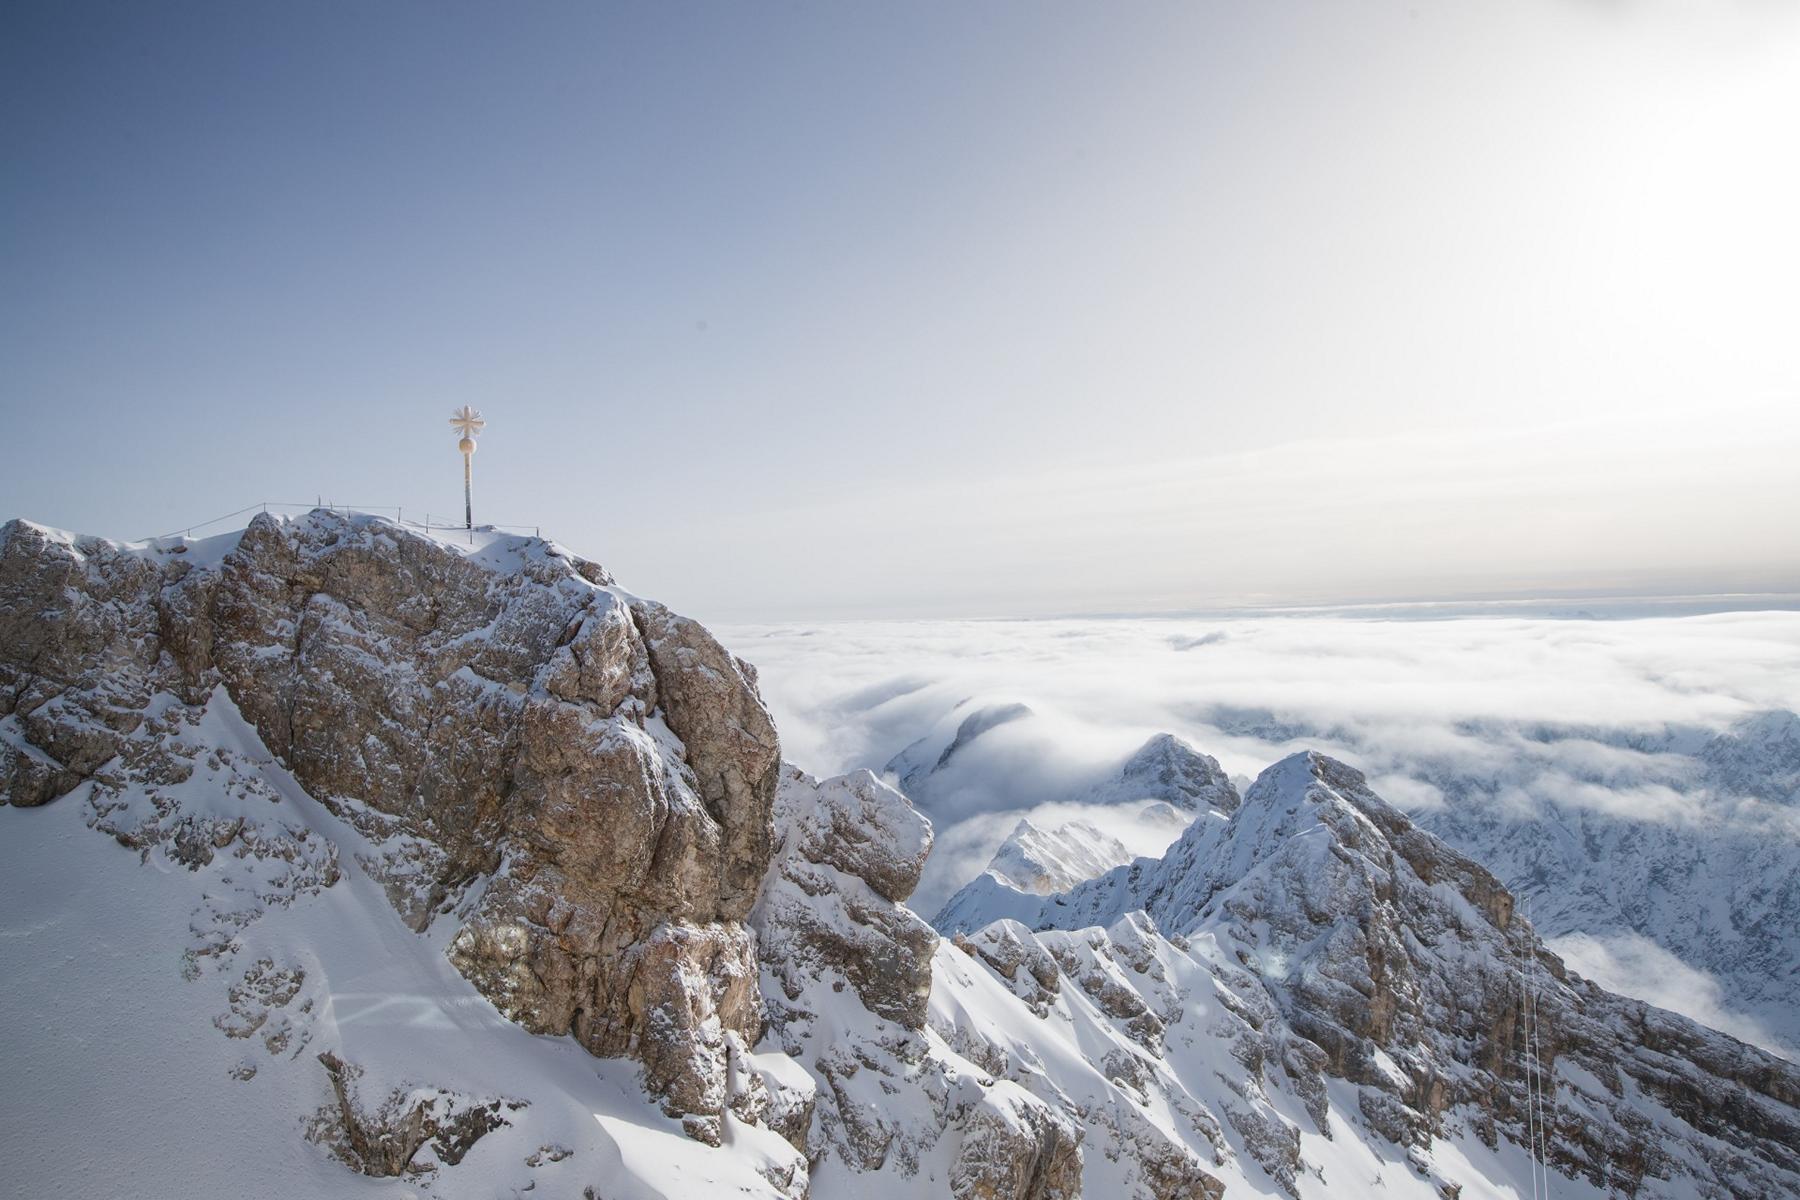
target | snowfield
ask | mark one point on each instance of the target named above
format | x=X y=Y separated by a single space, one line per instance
x=132 y=1071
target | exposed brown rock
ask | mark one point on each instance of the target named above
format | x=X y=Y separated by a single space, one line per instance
x=1016 y=1149
x=382 y=1138
x=603 y=763
x=829 y=920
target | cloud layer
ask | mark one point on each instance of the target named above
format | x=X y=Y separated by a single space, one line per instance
x=1482 y=721
x=1385 y=692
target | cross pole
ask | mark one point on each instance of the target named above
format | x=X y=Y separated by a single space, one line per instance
x=468 y=422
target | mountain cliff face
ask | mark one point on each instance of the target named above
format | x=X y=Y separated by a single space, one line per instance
x=457 y=863
x=1712 y=878
x=1682 y=837
x=581 y=780
x=1386 y=964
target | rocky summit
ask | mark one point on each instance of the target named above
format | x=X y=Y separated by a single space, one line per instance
x=583 y=781
x=1368 y=965
x=335 y=848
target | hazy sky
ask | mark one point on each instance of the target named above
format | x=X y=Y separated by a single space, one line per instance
x=800 y=309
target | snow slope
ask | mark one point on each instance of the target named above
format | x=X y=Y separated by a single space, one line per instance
x=1359 y=971
x=144 y=1059
x=1055 y=860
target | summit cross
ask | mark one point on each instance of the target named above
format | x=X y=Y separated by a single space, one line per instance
x=468 y=422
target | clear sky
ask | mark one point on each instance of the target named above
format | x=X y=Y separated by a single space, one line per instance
x=796 y=309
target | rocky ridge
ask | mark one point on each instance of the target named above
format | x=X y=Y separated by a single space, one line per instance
x=1685 y=837
x=1176 y=779
x=1377 y=965
x=601 y=767
x=407 y=788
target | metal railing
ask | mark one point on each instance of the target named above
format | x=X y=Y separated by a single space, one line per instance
x=374 y=510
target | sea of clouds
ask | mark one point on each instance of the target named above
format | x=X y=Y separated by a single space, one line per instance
x=1582 y=712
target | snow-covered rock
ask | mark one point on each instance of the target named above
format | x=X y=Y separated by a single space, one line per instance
x=385 y=837
x=852 y=851
x=1054 y=860
x=847 y=980
x=1168 y=769
x=577 y=781
x=1384 y=973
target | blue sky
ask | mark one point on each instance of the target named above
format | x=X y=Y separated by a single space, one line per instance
x=807 y=309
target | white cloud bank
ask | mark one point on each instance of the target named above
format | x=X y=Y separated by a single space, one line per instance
x=1504 y=718
x=1386 y=693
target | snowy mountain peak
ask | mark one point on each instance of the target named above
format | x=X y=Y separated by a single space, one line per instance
x=1302 y=793
x=1043 y=861
x=1379 y=957
x=934 y=753
x=1168 y=769
x=1758 y=756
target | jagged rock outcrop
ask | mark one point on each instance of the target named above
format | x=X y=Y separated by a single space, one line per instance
x=847 y=973
x=601 y=766
x=1354 y=946
x=383 y=1137
x=74 y=628
x=1016 y=1148
x=1168 y=769
x=853 y=849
